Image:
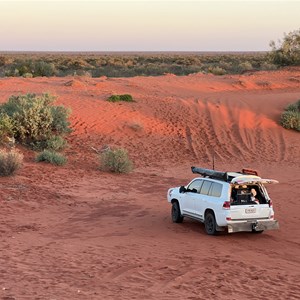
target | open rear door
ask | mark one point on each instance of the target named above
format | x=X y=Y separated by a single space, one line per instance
x=250 y=179
x=250 y=210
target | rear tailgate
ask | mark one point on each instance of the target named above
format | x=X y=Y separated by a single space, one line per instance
x=250 y=211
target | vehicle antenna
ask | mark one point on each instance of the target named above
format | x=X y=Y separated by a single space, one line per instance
x=213 y=160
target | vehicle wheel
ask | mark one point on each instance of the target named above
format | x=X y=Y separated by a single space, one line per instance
x=210 y=224
x=176 y=215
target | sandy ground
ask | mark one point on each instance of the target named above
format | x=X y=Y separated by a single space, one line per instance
x=74 y=232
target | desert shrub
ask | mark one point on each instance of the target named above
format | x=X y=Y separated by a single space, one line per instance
x=3 y=61
x=225 y=65
x=123 y=97
x=290 y=118
x=82 y=73
x=245 y=66
x=288 y=51
x=41 y=68
x=51 y=157
x=116 y=161
x=34 y=119
x=27 y=75
x=293 y=107
x=10 y=162
x=60 y=122
x=28 y=66
x=56 y=143
x=53 y=143
x=6 y=127
x=217 y=71
x=268 y=66
x=8 y=59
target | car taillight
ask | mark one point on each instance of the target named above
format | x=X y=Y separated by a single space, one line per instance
x=226 y=205
x=270 y=203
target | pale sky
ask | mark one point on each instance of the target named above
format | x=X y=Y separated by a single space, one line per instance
x=151 y=25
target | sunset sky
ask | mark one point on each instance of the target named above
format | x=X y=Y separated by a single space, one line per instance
x=145 y=25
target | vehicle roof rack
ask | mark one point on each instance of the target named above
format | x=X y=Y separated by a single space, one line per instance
x=224 y=176
x=210 y=173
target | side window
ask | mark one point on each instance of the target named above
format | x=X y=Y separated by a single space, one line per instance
x=216 y=190
x=205 y=187
x=195 y=186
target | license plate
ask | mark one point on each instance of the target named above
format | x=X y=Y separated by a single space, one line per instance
x=251 y=210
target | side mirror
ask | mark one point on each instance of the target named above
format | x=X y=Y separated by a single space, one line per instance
x=182 y=189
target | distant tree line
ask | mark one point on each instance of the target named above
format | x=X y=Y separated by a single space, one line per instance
x=285 y=53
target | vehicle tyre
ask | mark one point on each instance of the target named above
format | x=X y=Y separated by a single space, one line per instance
x=176 y=214
x=210 y=224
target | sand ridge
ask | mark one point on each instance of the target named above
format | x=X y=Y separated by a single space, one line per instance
x=77 y=233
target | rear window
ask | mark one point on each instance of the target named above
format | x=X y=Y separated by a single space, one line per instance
x=216 y=190
x=205 y=187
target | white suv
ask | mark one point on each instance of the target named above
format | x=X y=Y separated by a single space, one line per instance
x=236 y=201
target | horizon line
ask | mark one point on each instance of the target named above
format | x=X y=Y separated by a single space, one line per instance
x=133 y=51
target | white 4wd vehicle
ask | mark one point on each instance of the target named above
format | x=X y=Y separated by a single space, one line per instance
x=236 y=201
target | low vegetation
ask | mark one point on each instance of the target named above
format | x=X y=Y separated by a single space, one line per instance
x=34 y=121
x=290 y=118
x=287 y=51
x=118 y=98
x=29 y=68
x=115 y=160
x=10 y=162
x=51 y=157
x=284 y=53
x=56 y=143
x=132 y=64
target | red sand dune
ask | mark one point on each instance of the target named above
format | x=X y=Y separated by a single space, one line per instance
x=77 y=233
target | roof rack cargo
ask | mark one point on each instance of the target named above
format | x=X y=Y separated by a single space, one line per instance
x=210 y=173
x=249 y=172
x=224 y=176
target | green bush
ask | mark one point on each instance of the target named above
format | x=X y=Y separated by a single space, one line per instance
x=6 y=127
x=268 y=66
x=288 y=51
x=27 y=75
x=245 y=66
x=290 y=118
x=217 y=71
x=294 y=107
x=56 y=143
x=51 y=157
x=35 y=68
x=117 y=98
x=116 y=161
x=60 y=122
x=10 y=162
x=33 y=118
x=41 y=68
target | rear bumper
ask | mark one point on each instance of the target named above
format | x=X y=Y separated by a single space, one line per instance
x=250 y=225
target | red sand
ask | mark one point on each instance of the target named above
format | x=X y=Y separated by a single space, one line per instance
x=74 y=232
